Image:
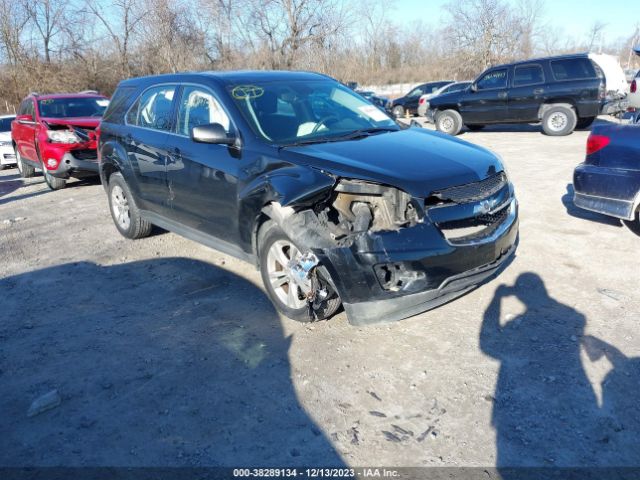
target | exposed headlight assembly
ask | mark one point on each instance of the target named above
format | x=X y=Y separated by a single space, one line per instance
x=62 y=136
x=375 y=207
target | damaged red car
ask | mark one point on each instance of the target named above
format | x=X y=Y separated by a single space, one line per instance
x=328 y=196
x=57 y=134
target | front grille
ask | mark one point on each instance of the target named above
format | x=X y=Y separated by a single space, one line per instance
x=472 y=192
x=85 y=154
x=475 y=228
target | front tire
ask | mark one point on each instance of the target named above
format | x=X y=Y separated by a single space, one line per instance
x=275 y=251
x=449 y=121
x=54 y=183
x=398 y=111
x=26 y=170
x=559 y=120
x=124 y=211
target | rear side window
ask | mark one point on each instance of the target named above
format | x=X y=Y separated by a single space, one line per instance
x=153 y=108
x=527 y=75
x=572 y=69
x=493 y=79
x=199 y=107
x=118 y=105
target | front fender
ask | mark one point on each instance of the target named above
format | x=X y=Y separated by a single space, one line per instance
x=287 y=184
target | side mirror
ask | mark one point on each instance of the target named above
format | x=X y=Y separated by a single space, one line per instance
x=473 y=87
x=415 y=124
x=212 y=133
x=25 y=118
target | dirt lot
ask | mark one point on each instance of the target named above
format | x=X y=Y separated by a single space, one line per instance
x=165 y=352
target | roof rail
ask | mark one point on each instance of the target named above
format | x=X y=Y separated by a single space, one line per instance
x=33 y=94
x=89 y=91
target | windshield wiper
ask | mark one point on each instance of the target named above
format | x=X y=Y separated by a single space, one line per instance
x=360 y=133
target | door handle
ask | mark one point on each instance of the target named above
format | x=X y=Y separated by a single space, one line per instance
x=538 y=91
x=502 y=94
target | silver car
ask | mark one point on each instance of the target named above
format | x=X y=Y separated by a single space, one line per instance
x=423 y=103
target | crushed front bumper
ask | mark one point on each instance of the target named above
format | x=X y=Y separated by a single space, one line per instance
x=78 y=164
x=433 y=271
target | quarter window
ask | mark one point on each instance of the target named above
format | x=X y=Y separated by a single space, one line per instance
x=199 y=107
x=493 y=79
x=573 y=69
x=527 y=75
x=153 y=108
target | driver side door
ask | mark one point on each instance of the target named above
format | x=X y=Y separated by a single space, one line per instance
x=487 y=100
x=202 y=177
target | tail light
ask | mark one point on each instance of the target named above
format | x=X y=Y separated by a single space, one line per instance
x=421 y=101
x=596 y=142
x=602 y=93
x=634 y=86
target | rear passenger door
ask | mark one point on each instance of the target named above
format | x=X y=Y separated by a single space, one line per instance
x=202 y=177
x=150 y=122
x=526 y=93
x=487 y=101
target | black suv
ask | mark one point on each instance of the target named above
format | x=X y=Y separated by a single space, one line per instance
x=563 y=93
x=327 y=195
x=408 y=104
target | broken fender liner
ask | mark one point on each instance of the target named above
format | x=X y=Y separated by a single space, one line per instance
x=392 y=309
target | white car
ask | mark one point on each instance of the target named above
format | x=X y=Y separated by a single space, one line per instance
x=7 y=154
x=423 y=103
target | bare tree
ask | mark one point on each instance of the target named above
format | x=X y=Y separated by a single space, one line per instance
x=595 y=34
x=121 y=24
x=48 y=17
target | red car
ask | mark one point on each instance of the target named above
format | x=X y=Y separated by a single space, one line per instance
x=57 y=133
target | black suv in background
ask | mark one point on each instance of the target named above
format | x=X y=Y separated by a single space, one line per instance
x=325 y=193
x=563 y=93
x=409 y=103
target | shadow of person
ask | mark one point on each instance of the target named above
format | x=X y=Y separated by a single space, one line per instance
x=619 y=428
x=544 y=409
x=167 y=362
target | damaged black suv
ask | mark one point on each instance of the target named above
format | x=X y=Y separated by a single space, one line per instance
x=334 y=201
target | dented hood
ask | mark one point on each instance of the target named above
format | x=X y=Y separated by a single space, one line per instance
x=83 y=122
x=415 y=160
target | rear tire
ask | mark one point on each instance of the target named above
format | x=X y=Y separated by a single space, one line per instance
x=634 y=225
x=449 y=121
x=26 y=170
x=584 y=122
x=559 y=120
x=274 y=249
x=124 y=211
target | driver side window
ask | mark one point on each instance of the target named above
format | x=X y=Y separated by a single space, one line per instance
x=493 y=79
x=199 y=107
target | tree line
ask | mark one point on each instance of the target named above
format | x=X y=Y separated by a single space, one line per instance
x=74 y=45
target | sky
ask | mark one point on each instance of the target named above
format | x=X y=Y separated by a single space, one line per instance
x=575 y=16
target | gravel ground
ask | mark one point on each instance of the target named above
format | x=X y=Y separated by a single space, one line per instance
x=166 y=353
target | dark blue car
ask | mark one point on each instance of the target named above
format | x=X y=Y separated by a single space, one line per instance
x=608 y=181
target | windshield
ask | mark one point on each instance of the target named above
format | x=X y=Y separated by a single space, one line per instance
x=5 y=124
x=297 y=112
x=72 y=107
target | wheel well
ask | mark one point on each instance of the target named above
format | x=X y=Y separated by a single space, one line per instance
x=106 y=171
x=556 y=103
x=257 y=225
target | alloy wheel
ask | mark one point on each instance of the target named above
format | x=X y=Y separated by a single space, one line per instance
x=280 y=255
x=120 y=207
x=558 y=121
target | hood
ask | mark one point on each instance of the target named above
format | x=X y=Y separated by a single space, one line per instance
x=86 y=122
x=414 y=160
x=5 y=136
x=447 y=98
